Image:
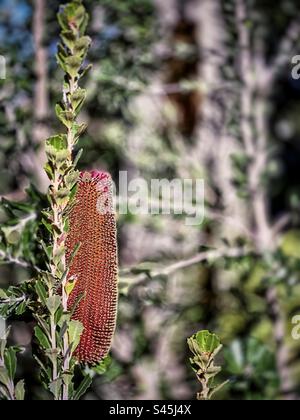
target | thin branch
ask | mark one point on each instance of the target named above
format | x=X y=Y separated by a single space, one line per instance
x=210 y=255
x=9 y=259
x=13 y=300
x=280 y=224
x=247 y=76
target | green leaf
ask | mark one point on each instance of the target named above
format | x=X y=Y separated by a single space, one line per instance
x=43 y=324
x=76 y=303
x=53 y=303
x=15 y=205
x=68 y=37
x=83 y=387
x=82 y=45
x=48 y=249
x=74 y=331
x=72 y=65
x=70 y=286
x=42 y=338
x=12 y=234
x=77 y=99
x=290 y=243
x=41 y=291
x=85 y=70
x=3 y=342
x=208 y=342
x=74 y=253
x=20 y=390
x=55 y=388
x=84 y=24
x=3 y=295
x=67 y=378
x=103 y=365
x=77 y=157
x=204 y=342
x=58 y=315
x=60 y=58
x=49 y=171
x=57 y=147
x=62 y=331
x=4 y=392
x=58 y=142
x=62 y=20
x=71 y=179
x=235 y=358
x=217 y=389
x=10 y=361
x=47 y=225
x=21 y=308
x=42 y=366
x=4 y=378
x=79 y=129
x=66 y=117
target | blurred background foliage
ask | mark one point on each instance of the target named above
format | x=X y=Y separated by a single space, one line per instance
x=149 y=95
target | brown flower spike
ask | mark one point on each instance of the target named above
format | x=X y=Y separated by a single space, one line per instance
x=92 y=224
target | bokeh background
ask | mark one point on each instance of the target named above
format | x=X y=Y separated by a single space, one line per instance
x=179 y=89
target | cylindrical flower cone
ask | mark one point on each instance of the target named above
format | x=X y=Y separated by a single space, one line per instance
x=92 y=224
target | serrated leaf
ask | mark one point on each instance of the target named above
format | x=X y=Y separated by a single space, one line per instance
x=84 y=24
x=55 y=388
x=10 y=361
x=58 y=142
x=41 y=365
x=75 y=329
x=66 y=117
x=21 y=308
x=82 y=45
x=77 y=157
x=62 y=19
x=62 y=331
x=71 y=179
x=20 y=390
x=77 y=99
x=207 y=341
x=3 y=295
x=4 y=378
x=83 y=387
x=47 y=225
x=41 y=291
x=61 y=61
x=49 y=171
x=69 y=38
x=42 y=338
x=53 y=303
x=72 y=65
x=85 y=70
x=58 y=315
x=79 y=129
x=43 y=325
x=15 y=205
x=70 y=286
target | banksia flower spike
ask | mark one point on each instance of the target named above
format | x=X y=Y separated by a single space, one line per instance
x=93 y=270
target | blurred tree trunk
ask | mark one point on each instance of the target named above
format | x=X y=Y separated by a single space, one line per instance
x=215 y=147
x=40 y=130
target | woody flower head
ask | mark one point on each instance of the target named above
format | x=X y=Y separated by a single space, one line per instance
x=93 y=269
